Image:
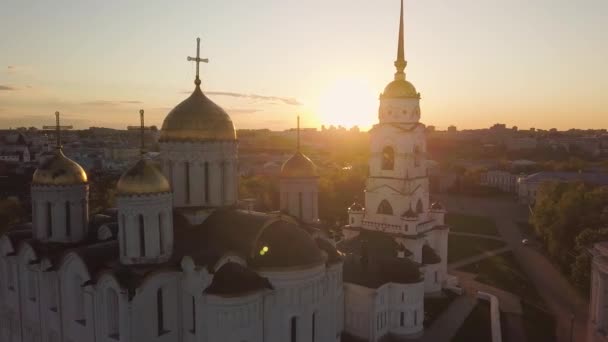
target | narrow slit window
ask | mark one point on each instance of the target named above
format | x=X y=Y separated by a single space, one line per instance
x=142 y=236
x=161 y=238
x=187 y=181
x=49 y=219
x=207 y=182
x=160 y=319
x=68 y=220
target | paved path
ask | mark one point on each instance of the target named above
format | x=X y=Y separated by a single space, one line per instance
x=476 y=258
x=447 y=324
x=483 y=236
x=561 y=298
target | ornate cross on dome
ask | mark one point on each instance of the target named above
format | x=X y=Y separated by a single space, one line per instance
x=198 y=59
x=142 y=129
x=57 y=128
x=298 y=146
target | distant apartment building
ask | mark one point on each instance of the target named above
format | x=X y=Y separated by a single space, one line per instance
x=503 y=180
x=14 y=148
x=524 y=143
x=528 y=186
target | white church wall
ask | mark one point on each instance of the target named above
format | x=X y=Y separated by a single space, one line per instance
x=235 y=318
x=298 y=294
x=156 y=212
x=155 y=309
x=291 y=190
x=77 y=305
x=406 y=306
x=112 y=319
x=221 y=160
x=55 y=199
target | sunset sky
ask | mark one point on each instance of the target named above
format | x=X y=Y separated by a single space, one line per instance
x=541 y=63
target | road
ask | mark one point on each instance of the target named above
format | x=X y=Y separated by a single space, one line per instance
x=561 y=298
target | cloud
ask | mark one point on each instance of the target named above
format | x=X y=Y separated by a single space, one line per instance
x=108 y=102
x=237 y=111
x=272 y=99
x=8 y=88
x=286 y=100
x=17 y=69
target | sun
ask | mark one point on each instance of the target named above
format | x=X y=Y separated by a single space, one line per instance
x=347 y=102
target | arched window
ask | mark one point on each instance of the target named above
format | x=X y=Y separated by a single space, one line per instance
x=193 y=323
x=112 y=314
x=160 y=315
x=49 y=219
x=314 y=327
x=419 y=207
x=142 y=237
x=385 y=208
x=300 y=205
x=222 y=182
x=187 y=181
x=388 y=158
x=206 y=182
x=52 y=291
x=293 y=329
x=416 y=155
x=161 y=238
x=77 y=298
x=31 y=286
x=123 y=229
x=68 y=220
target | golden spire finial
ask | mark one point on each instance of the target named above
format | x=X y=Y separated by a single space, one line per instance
x=400 y=63
x=198 y=59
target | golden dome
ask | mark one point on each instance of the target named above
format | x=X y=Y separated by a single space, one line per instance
x=197 y=118
x=142 y=178
x=59 y=170
x=299 y=166
x=400 y=88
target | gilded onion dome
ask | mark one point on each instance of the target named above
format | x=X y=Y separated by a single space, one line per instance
x=59 y=170
x=142 y=178
x=400 y=88
x=299 y=166
x=197 y=118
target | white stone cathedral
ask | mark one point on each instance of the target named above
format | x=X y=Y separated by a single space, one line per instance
x=178 y=261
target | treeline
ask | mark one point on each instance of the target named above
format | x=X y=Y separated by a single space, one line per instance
x=569 y=218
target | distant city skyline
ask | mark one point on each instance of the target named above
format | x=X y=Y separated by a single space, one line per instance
x=528 y=64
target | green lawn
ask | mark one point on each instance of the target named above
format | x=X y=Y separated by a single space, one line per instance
x=461 y=247
x=471 y=224
x=477 y=327
x=434 y=306
x=503 y=271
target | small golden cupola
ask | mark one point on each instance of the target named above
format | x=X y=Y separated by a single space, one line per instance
x=197 y=118
x=400 y=87
x=143 y=177
x=299 y=165
x=57 y=169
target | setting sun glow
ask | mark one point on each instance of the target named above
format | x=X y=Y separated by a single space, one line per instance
x=348 y=102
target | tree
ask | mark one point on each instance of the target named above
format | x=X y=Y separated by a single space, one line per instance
x=581 y=267
x=11 y=212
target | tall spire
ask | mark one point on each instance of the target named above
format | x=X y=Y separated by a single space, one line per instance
x=400 y=63
x=298 y=134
